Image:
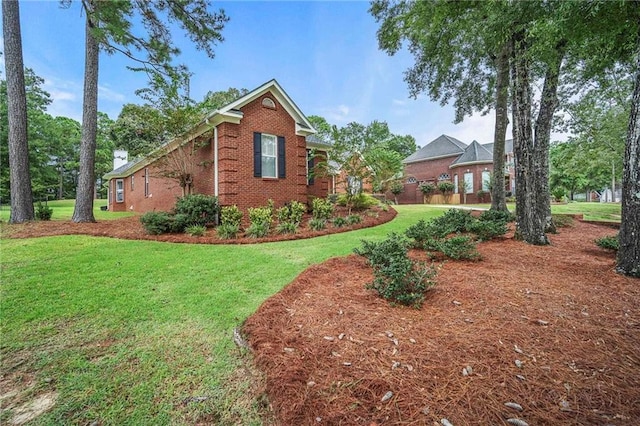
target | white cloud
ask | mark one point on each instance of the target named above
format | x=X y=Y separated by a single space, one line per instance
x=110 y=95
x=398 y=102
x=340 y=114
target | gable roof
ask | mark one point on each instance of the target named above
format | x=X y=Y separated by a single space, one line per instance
x=229 y=113
x=474 y=154
x=508 y=146
x=440 y=147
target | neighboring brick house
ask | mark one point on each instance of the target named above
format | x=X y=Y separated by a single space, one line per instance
x=254 y=149
x=447 y=159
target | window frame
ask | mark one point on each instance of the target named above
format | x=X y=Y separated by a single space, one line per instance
x=469 y=189
x=273 y=157
x=119 y=185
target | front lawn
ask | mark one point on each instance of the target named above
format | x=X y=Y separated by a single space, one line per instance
x=138 y=332
x=63 y=210
x=133 y=332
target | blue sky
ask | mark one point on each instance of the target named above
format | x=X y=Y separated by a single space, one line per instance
x=324 y=54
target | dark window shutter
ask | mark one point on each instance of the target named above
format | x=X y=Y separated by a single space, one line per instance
x=310 y=163
x=257 y=154
x=282 y=171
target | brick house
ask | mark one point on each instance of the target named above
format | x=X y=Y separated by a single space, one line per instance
x=447 y=159
x=259 y=147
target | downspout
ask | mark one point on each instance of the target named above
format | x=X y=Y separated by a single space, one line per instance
x=215 y=161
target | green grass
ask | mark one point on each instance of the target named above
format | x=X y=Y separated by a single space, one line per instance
x=63 y=210
x=608 y=212
x=126 y=331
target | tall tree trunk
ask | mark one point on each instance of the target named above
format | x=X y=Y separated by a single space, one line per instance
x=530 y=216
x=83 y=211
x=498 y=201
x=20 y=177
x=629 y=251
x=548 y=105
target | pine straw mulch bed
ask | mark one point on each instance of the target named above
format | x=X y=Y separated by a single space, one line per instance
x=333 y=352
x=130 y=228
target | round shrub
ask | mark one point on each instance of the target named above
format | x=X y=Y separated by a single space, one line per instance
x=201 y=209
x=156 y=223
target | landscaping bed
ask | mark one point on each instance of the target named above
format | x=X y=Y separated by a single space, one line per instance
x=543 y=335
x=130 y=228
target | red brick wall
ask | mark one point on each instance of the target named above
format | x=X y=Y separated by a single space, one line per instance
x=477 y=170
x=236 y=182
x=235 y=142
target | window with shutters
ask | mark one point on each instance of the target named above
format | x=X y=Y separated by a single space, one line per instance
x=269 y=156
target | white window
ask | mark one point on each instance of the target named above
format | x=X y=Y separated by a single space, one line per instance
x=468 y=183
x=119 y=190
x=486 y=179
x=455 y=184
x=444 y=176
x=132 y=176
x=269 y=156
x=354 y=185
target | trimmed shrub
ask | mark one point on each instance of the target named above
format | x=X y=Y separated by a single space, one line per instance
x=179 y=222
x=201 y=209
x=317 y=224
x=610 y=243
x=156 y=223
x=396 y=277
x=43 y=212
x=196 y=230
x=231 y=215
x=321 y=209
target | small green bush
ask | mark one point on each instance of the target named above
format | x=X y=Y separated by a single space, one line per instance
x=261 y=216
x=446 y=187
x=427 y=189
x=317 y=224
x=201 y=209
x=353 y=219
x=422 y=231
x=286 y=228
x=497 y=216
x=179 y=222
x=258 y=230
x=227 y=231
x=486 y=230
x=454 y=220
x=458 y=247
x=291 y=212
x=358 y=202
x=43 y=212
x=321 y=209
x=396 y=277
x=196 y=230
x=339 y=222
x=231 y=215
x=156 y=223
x=610 y=243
